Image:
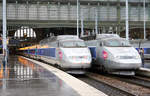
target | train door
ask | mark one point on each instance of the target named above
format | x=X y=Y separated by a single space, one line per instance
x=99 y=49
x=58 y=53
x=100 y=55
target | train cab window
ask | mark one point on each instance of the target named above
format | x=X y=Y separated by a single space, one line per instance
x=117 y=43
x=72 y=44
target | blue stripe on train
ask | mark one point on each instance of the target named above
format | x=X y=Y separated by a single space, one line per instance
x=47 y=52
x=53 y=52
x=93 y=52
x=146 y=50
x=44 y=51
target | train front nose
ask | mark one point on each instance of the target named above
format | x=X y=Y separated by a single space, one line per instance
x=124 y=58
x=125 y=64
x=80 y=61
x=77 y=57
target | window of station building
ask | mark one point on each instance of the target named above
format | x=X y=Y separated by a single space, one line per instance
x=25 y=32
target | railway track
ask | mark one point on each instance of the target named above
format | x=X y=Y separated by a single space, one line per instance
x=104 y=87
x=141 y=81
x=143 y=78
x=124 y=88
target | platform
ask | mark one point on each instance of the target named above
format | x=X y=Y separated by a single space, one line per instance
x=144 y=71
x=26 y=77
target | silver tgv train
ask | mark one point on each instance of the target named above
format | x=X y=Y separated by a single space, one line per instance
x=113 y=54
x=65 y=51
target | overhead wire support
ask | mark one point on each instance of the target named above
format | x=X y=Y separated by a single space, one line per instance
x=77 y=17
x=82 y=25
x=144 y=19
x=4 y=43
x=96 y=22
x=4 y=31
x=127 y=21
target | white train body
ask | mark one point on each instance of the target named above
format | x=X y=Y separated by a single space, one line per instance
x=65 y=51
x=114 y=54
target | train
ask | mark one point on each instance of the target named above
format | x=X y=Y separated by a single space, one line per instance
x=144 y=44
x=67 y=52
x=113 y=54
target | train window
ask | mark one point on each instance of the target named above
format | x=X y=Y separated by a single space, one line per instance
x=72 y=44
x=117 y=43
x=91 y=43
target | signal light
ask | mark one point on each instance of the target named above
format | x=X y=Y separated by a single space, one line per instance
x=85 y=57
x=105 y=55
x=60 y=55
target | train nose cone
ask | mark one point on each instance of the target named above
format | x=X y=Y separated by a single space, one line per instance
x=76 y=52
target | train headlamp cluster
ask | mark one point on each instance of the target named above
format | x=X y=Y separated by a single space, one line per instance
x=72 y=57
x=118 y=57
x=79 y=57
x=127 y=57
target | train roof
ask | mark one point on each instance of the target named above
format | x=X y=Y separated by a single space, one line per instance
x=107 y=36
x=60 y=37
x=139 y=40
x=64 y=37
x=101 y=37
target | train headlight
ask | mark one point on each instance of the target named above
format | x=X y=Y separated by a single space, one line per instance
x=72 y=57
x=117 y=57
x=85 y=57
x=60 y=55
x=105 y=55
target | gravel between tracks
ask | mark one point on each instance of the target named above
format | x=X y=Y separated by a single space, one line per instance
x=130 y=88
x=107 y=89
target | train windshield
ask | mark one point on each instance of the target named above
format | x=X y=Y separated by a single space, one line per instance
x=117 y=43
x=72 y=44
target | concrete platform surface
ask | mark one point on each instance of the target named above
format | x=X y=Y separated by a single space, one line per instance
x=143 y=72
x=26 y=77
